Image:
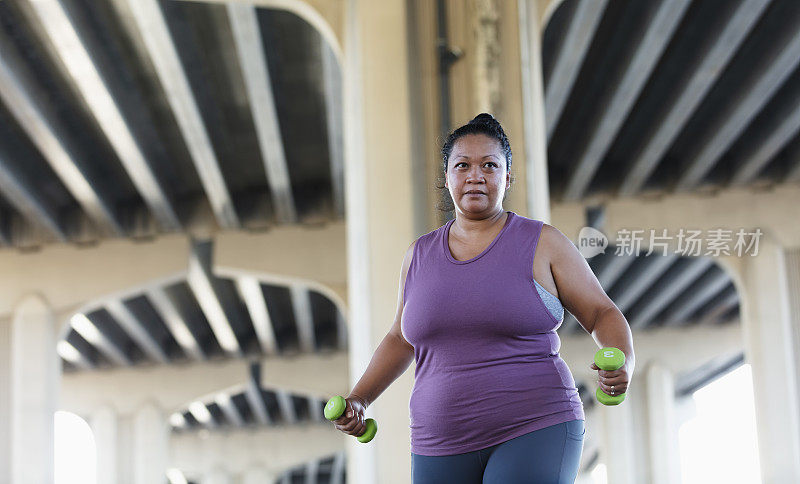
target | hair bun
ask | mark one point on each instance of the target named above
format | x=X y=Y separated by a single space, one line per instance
x=484 y=118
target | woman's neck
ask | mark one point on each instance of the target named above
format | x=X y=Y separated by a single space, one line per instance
x=475 y=227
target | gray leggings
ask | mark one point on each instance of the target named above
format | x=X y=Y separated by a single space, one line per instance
x=550 y=455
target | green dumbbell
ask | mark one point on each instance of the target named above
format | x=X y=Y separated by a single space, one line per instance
x=335 y=408
x=609 y=359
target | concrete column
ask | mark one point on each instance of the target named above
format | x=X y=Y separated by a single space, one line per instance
x=5 y=401
x=125 y=449
x=217 y=476
x=770 y=348
x=637 y=401
x=150 y=445
x=618 y=442
x=35 y=369
x=530 y=32
x=379 y=217
x=104 y=427
x=793 y=282
x=664 y=454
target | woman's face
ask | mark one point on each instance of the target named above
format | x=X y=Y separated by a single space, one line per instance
x=477 y=164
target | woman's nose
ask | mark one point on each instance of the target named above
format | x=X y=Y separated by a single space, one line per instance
x=474 y=174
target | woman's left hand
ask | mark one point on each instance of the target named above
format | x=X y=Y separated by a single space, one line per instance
x=619 y=379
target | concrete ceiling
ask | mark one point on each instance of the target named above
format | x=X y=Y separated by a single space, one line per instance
x=132 y=118
x=659 y=96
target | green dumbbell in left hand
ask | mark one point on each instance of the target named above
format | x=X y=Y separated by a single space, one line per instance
x=609 y=359
x=335 y=408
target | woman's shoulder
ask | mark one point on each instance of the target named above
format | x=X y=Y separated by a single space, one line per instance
x=548 y=235
x=422 y=240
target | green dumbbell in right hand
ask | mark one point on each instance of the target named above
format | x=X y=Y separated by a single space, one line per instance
x=609 y=359
x=335 y=408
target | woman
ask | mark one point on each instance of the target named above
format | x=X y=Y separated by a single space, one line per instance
x=479 y=302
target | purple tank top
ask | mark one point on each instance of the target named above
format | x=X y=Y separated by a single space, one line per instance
x=485 y=345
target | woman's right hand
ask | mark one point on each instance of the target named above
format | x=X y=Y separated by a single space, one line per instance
x=352 y=420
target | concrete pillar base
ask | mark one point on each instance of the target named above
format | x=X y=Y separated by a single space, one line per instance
x=150 y=445
x=663 y=451
x=618 y=442
x=104 y=427
x=35 y=369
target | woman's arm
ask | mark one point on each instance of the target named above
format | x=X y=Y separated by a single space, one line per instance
x=580 y=293
x=390 y=360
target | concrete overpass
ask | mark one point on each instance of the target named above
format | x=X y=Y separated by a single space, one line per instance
x=204 y=206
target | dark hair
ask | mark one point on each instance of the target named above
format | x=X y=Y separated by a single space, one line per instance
x=484 y=124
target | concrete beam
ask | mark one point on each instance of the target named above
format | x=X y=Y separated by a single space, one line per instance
x=109 y=267
x=569 y=59
x=199 y=279
x=742 y=111
x=22 y=196
x=706 y=74
x=157 y=39
x=774 y=211
x=250 y=291
x=72 y=355
x=316 y=411
x=301 y=303
x=299 y=290
x=175 y=323
x=710 y=284
x=230 y=411
x=615 y=111
x=178 y=421
x=253 y=394
x=87 y=329
x=794 y=173
x=646 y=272
x=325 y=16
x=128 y=322
x=286 y=406
x=75 y=57
x=765 y=150
x=724 y=305
x=658 y=298
x=332 y=85
x=44 y=133
x=296 y=252
x=253 y=61
x=200 y=412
